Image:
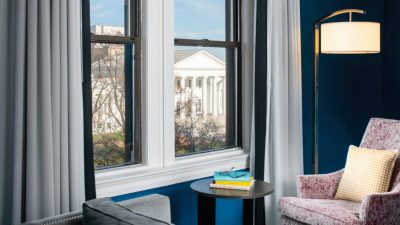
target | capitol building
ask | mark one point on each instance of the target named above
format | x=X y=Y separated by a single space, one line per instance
x=199 y=78
x=199 y=84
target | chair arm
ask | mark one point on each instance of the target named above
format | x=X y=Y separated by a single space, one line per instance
x=381 y=208
x=154 y=205
x=322 y=186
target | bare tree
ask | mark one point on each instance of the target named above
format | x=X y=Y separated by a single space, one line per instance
x=195 y=132
x=210 y=134
x=108 y=105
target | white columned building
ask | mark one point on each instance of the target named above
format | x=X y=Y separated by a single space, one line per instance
x=199 y=81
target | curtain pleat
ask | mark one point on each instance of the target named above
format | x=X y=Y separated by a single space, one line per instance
x=32 y=154
x=42 y=123
x=284 y=145
x=278 y=151
x=12 y=133
x=75 y=113
x=56 y=99
x=64 y=105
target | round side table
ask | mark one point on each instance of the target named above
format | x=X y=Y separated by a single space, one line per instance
x=206 y=199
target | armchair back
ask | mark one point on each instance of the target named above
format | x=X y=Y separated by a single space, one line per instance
x=384 y=134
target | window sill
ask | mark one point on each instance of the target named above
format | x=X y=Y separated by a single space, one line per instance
x=129 y=179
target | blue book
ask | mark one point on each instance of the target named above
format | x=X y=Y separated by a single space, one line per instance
x=232 y=176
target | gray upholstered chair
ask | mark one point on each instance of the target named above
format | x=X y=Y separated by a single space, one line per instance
x=315 y=202
x=155 y=206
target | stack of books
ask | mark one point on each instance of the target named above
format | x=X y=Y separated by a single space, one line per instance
x=237 y=180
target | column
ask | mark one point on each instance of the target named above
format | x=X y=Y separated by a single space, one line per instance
x=204 y=99
x=193 y=96
x=223 y=95
x=214 y=97
x=182 y=96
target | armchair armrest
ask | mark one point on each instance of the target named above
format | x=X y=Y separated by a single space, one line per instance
x=381 y=208
x=154 y=205
x=322 y=186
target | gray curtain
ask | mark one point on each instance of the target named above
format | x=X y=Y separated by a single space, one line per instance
x=277 y=152
x=41 y=109
x=284 y=131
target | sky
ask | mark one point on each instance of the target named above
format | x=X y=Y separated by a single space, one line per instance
x=194 y=19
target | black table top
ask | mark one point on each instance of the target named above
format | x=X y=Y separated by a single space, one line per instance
x=260 y=189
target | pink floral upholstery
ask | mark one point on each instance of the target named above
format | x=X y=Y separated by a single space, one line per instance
x=384 y=134
x=315 y=205
x=381 y=208
x=289 y=221
x=318 y=186
x=320 y=211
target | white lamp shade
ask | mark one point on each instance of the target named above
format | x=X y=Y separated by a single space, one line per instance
x=350 y=38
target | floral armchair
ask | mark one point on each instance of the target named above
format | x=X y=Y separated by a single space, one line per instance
x=315 y=202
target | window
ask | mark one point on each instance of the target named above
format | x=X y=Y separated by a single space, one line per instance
x=135 y=147
x=207 y=51
x=114 y=83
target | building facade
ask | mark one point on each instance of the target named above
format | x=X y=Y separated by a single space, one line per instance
x=199 y=84
x=107 y=30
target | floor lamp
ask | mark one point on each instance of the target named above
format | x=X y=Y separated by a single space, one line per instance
x=347 y=37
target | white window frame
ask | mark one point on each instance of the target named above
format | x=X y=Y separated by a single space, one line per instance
x=159 y=165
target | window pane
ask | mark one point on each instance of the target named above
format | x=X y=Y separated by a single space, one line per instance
x=204 y=99
x=200 y=19
x=108 y=73
x=107 y=17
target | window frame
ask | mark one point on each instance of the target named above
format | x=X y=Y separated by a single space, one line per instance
x=132 y=39
x=159 y=165
x=233 y=22
x=132 y=51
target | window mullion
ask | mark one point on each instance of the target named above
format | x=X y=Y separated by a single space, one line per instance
x=109 y=39
x=152 y=67
x=205 y=43
x=137 y=114
x=169 y=81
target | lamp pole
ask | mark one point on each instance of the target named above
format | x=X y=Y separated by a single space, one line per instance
x=317 y=52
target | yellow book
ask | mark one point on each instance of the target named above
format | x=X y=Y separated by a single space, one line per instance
x=233 y=187
x=234 y=183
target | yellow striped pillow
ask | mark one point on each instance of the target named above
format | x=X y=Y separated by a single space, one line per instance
x=367 y=171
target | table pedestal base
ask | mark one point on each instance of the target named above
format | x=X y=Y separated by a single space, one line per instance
x=206 y=211
x=253 y=201
x=248 y=211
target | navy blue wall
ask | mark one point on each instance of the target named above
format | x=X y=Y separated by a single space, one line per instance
x=351 y=91
x=184 y=205
x=392 y=59
x=351 y=88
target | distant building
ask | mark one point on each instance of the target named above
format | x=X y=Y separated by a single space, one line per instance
x=200 y=79
x=107 y=30
x=199 y=83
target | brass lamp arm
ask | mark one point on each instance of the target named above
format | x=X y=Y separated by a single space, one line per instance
x=339 y=12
